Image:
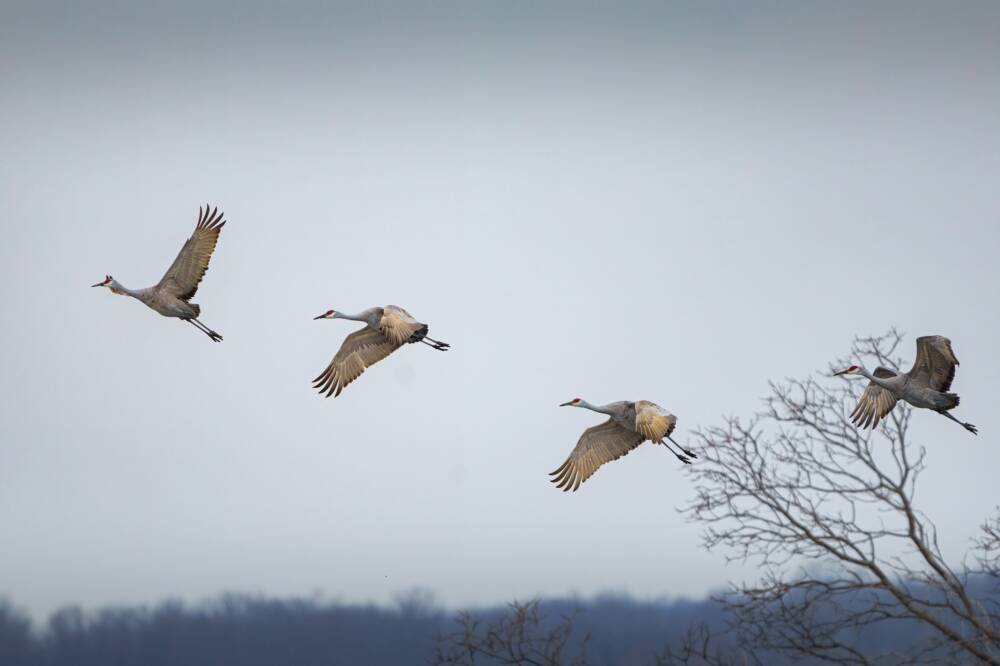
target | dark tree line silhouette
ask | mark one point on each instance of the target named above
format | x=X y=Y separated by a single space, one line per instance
x=254 y=631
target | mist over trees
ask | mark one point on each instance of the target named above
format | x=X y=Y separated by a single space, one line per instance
x=256 y=631
x=238 y=630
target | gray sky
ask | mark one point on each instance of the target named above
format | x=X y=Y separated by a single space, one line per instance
x=667 y=201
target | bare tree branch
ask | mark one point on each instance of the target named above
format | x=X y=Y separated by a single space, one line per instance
x=520 y=636
x=827 y=512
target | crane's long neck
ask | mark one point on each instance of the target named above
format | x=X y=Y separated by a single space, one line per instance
x=119 y=288
x=361 y=316
x=875 y=380
x=603 y=409
x=370 y=316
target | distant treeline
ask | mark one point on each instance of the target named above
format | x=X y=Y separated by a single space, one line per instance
x=254 y=631
x=236 y=630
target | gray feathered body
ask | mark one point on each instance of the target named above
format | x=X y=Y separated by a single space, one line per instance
x=622 y=412
x=903 y=387
x=375 y=319
x=927 y=398
x=165 y=303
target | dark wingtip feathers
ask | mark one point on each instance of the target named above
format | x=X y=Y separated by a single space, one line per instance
x=566 y=477
x=327 y=385
x=210 y=218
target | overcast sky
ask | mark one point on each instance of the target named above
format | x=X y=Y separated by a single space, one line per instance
x=673 y=202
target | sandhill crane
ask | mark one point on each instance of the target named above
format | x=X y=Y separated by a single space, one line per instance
x=386 y=330
x=179 y=284
x=631 y=424
x=925 y=385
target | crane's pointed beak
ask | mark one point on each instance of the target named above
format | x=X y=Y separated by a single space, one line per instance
x=322 y=316
x=99 y=284
x=842 y=372
x=566 y=404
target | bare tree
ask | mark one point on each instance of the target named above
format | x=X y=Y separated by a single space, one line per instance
x=521 y=635
x=827 y=512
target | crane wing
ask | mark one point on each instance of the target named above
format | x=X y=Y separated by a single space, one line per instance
x=652 y=421
x=399 y=325
x=598 y=445
x=360 y=350
x=875 y=402
x=935 y=363
x=182 y=278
